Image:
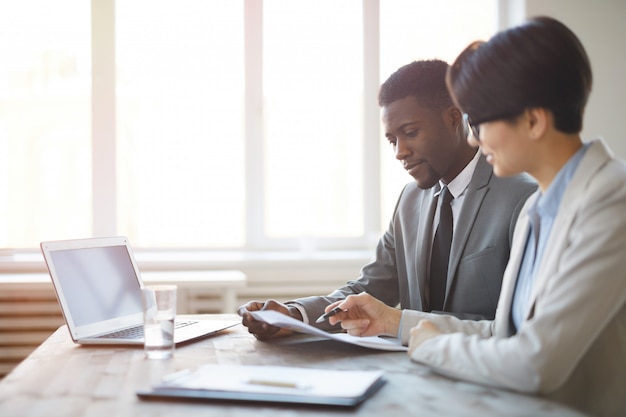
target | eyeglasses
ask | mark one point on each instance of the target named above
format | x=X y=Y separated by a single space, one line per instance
x=474 y=126
x=471 y=127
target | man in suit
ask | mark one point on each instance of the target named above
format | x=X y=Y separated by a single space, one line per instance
x=427 y=133
x=560 y=326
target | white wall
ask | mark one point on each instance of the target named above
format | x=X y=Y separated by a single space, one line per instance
x=600 y=26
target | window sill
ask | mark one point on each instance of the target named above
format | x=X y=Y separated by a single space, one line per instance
x=24 y=261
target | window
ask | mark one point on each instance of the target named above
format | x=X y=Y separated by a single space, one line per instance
x=45 y=148
x=180 y=122
x=312 y=106
x=230 y=124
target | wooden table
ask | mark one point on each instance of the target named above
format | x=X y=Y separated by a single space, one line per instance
x=64 y=379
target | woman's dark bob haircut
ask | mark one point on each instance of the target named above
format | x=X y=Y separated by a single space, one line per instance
x=538 y=64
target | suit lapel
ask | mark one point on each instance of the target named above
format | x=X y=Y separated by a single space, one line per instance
x=596 y=156
x=475 y=194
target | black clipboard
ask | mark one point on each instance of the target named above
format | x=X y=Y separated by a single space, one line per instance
x=188 y=385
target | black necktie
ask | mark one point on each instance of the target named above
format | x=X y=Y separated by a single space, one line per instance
x=440 y=254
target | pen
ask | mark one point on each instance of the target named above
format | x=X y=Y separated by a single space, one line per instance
x=269 y=383
x=331 y=313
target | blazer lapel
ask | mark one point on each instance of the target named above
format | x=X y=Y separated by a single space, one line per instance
x=476 y=191
x=596 y=155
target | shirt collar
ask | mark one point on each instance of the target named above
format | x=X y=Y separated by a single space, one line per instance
x=460 y=183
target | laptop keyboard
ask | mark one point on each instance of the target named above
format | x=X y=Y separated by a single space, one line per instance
x=130 y=333
x=136 y=332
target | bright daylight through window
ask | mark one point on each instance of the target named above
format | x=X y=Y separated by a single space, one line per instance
x=233 y=124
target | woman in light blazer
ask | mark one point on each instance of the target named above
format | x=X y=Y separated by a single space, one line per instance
x=560 y=324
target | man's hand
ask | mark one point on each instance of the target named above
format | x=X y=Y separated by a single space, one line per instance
x=262 y=330
x=365 y=315
x=424 y=330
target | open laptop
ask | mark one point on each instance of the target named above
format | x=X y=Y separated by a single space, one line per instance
x=98 y=286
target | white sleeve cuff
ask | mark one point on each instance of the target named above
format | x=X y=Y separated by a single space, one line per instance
x=305 y=317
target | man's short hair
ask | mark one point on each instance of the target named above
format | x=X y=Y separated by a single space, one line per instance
x=425 y=80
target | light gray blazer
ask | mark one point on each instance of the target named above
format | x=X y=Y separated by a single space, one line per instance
x=398 y=273
x=572 y=344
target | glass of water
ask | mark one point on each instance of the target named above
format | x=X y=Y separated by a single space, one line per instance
x=159 y=312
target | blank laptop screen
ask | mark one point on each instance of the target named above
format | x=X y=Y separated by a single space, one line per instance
x=98 y=283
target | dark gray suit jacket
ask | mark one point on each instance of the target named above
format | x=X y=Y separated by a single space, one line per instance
x=398 y=273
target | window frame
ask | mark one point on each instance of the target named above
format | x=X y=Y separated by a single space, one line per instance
x=257 y=246
x=104 y=197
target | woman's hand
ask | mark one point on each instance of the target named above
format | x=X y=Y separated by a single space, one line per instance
x=424 y=330
x=364 y=315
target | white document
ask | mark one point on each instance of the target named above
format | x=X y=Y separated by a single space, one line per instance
x=274 y=384
x=281 y=320
x=274 y=380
